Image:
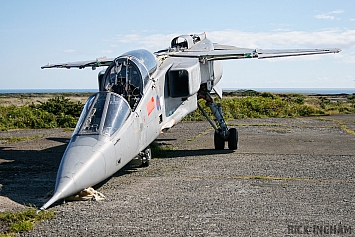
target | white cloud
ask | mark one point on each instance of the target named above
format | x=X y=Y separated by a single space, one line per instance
x=337 y=11
x=70 y=51
x=330 y=38
x=325 y=16
x=151 y=42
x=323 y=79
x=330 y=15
x=107 y=51
x=349 y=57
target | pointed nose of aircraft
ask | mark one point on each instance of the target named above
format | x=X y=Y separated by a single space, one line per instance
x=83 y=165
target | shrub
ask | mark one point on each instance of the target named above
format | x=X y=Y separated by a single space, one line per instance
x=56 y=112
x=61 y=105
x=260 y=106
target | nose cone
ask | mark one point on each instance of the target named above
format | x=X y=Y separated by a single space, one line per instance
x=83 y=165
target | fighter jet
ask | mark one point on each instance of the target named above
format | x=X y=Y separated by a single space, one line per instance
x=142 y=94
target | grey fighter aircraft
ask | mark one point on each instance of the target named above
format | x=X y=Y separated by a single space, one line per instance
x=142 y=94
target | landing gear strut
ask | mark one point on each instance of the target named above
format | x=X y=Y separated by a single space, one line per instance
x=222 y=133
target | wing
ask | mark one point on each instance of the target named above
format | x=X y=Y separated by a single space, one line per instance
x=293 y=52
x=99 y=62
x=228 y=52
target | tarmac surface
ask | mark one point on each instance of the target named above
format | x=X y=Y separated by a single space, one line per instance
x=289 y=177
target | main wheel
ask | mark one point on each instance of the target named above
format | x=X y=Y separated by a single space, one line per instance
x=147 y=157
x=233 y=139
x=219 y=142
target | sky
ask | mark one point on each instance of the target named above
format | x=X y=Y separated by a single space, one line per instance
x=34 y=33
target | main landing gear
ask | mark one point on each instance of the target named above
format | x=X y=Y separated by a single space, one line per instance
x=222 y=134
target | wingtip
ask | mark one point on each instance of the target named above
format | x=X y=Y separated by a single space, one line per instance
x=335 y=50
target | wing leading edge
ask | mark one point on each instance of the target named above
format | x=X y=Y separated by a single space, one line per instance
x=240 y=53
x=99 y=62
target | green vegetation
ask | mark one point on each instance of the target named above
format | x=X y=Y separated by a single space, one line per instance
x=21 y=96
x=61 y=112
x=341 y=124
x=56 y=112
x=18 y=139
x=23 y=221
x=263 y=105
x=160 y=150
x=344 y=106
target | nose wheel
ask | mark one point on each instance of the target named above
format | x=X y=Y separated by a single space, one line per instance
x=142 y=159
x=146 y=156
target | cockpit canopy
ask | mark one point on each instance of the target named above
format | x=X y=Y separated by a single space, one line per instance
x=129 y=73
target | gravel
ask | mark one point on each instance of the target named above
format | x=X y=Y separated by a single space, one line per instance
x=286 y=173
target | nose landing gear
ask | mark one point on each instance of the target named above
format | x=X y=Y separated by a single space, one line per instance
x=146 y=156
x=143 y=159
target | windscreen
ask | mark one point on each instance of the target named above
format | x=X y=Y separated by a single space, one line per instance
x=104 y=113
x=117 y=112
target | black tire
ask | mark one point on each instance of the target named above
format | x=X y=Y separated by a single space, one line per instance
x=233 y=139
x=148 y=157
x=219 y=142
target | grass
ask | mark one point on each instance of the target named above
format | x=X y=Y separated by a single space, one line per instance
x=264 y=105
x=23 y=221
x=255 y=125
x=18 y=139
x=341 y=124
x=160 y=150
x=346 y=129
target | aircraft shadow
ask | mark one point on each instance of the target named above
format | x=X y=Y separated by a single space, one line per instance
x=165 y=139
x=26 y=176
x=59 y=139
x=197 y=152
